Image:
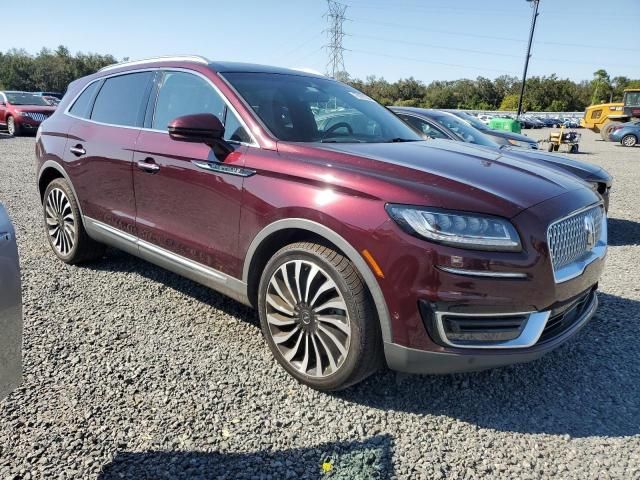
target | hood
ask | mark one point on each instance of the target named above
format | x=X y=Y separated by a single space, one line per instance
x=34 y=108
x=585 y=171
x=457 y=175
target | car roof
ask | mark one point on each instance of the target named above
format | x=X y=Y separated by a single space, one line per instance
x=217 y=66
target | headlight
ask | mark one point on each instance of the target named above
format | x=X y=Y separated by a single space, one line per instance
x=523 y=144
x=23 y=114
x=459 y=229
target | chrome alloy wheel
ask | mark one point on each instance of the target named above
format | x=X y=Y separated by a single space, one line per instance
x=629 y=141
x=11 y=126
x=308 y=318
x=61 y=225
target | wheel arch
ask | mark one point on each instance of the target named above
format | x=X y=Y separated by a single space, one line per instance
x=283 y=232
x=50 y=170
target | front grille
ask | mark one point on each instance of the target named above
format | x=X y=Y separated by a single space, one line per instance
x=563 y=318
x=572 y=238
x=37 y=116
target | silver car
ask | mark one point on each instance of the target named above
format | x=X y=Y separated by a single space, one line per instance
x=10 y=309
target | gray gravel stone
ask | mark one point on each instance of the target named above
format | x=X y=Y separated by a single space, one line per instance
x=132 y=372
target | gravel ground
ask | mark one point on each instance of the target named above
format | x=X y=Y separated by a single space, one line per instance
x=133 y=372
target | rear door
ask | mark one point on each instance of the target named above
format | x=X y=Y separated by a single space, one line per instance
x=99 y=151
x=188 y=201
x=10 y=309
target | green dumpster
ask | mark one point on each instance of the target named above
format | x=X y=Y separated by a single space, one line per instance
x=505 y=124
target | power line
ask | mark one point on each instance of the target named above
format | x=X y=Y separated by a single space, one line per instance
x=487 y=37
x=335 y=34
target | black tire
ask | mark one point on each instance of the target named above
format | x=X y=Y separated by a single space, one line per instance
x=573 y=149
x=550 y=147
x=606 y=130
x=13 y=128
x=629 y=140
x=364 y=353
x=82 y=248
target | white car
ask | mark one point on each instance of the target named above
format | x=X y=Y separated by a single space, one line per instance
x=10 y=309
x=484 y=119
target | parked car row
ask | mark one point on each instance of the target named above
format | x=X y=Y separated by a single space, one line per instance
x=357 y=240
x=23 y=112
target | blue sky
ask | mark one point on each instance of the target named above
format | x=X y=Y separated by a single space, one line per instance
x=426 y=39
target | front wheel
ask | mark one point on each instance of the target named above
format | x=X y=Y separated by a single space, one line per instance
x=12 y=127
x=629 y=140
x=63 y=225
x=317 y=317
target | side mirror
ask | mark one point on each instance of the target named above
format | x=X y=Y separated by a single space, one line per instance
x=200 y=128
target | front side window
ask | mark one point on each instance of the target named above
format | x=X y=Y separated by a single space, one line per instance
x=24 y=98
x=183 y=93
x=82 y=106
x=463 y=130
x=308 y=109
x=121 y=100
x=423 y=126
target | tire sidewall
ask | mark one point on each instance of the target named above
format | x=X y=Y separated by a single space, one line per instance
x=12 y=121
x=342 y=377
x=629 y=136
x=62 y=185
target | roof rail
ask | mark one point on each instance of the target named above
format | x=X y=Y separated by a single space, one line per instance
x=178 y=58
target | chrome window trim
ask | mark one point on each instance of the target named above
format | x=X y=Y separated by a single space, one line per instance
x=599 y=251
x=67 y=112
x=481 y=273
x=533 y=328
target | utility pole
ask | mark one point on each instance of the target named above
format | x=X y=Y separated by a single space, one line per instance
x=535 y=4
x=335 y=35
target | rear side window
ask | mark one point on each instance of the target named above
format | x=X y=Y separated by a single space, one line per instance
x=122 y=100
x=82 y=105
x=185 y=94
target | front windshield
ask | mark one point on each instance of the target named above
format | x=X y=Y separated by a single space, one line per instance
x=473 y=121
x=298 y=108
x=23 y=98
x=463 y=130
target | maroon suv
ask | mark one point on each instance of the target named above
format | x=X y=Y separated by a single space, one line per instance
x=357 y=242
x=22 y=112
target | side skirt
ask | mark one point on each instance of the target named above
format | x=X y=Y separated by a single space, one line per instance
x=161 y=257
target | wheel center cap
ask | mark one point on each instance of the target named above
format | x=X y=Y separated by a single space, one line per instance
x=305 y=317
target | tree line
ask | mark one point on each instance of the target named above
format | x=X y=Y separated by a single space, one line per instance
x=542 y=93
x=53 y=70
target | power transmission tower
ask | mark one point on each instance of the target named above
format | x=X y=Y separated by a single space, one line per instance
x=335 y=34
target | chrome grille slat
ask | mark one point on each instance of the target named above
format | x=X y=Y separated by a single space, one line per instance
x=37 y=116
x=567 y=237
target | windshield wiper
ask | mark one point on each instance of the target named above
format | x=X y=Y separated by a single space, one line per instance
x=398 y=140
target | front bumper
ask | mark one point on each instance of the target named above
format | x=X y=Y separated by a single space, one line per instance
x=411 y=360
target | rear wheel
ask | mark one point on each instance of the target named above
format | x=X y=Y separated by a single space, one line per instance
x=629 y=140
x=12 y=127
x=317 y=317
x=606 y=130
x=63 y=225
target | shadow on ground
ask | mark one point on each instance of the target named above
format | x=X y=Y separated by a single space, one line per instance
x=623 y=232
x=589 y=386
x=368 y=459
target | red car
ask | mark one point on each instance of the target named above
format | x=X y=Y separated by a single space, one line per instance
x=22 y=112
x=357 y=242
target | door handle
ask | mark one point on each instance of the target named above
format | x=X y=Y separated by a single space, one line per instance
x=4 y=237
x=148 y=165
x=78 y=150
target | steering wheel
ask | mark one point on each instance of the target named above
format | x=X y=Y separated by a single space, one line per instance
x=335 y=127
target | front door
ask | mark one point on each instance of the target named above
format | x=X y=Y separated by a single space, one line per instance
x=186 y=203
